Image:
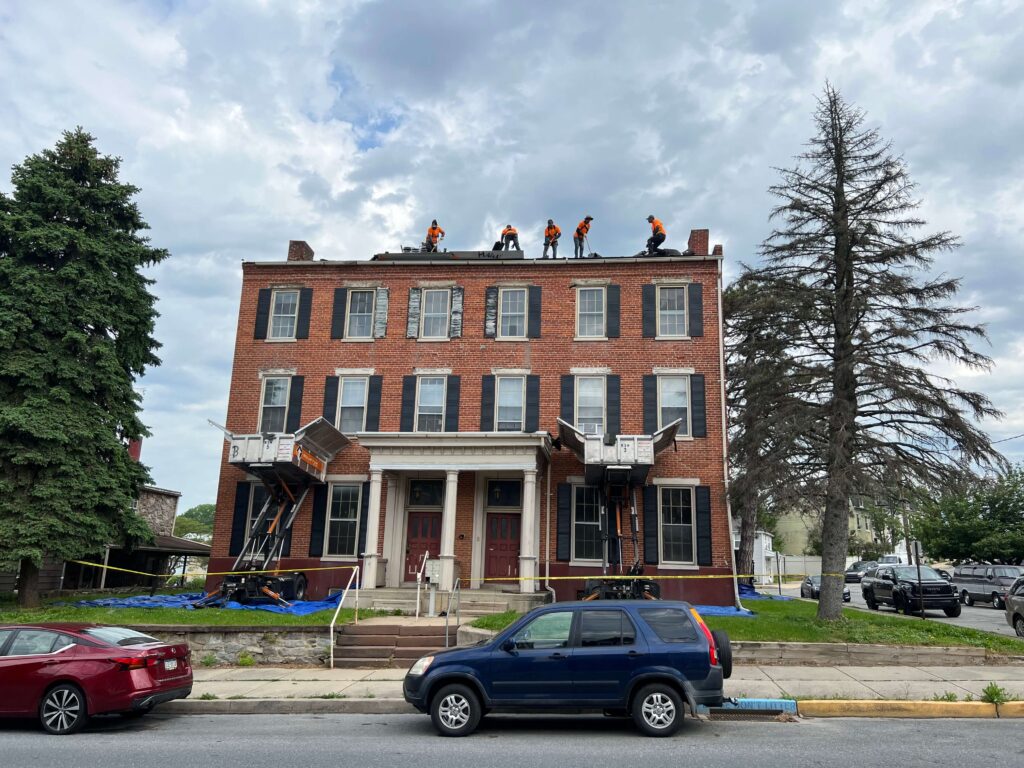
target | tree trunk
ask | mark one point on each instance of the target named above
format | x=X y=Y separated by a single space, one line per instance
x=28 y=585
x=748 y=530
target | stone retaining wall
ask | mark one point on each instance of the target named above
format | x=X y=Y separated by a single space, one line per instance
x=266 y=645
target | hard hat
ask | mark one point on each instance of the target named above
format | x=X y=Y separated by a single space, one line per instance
x=551 y=221
x=588 y=218
x=651 y=217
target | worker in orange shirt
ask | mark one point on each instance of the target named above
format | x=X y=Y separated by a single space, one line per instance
x=552 y=233
x=580 y=236
x=657 y=236
x=510 y=236
x=434 y=234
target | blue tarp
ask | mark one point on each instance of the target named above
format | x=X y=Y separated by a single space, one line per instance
x=747 y=592
x=185 y=600
x=723 y=610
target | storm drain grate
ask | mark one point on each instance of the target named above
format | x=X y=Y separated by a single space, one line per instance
x=735 y=713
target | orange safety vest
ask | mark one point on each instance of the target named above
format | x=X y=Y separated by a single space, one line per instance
x=582 y=228
x=433 y=233
x=551 y=232
x=509 y=231
x=657 y=227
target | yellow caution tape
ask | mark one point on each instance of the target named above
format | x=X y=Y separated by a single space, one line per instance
x=208 y=573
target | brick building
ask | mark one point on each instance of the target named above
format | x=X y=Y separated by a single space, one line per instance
x=449 y=372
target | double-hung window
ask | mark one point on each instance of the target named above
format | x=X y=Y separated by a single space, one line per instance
x=342 y=522
x=430 y=392
x=436 y=313
x=284 y=314
x=274 y=410
x=674 y=402
x=590 y=404
x=677 y=534
x=359 y=315
x=672 y=311
x=512 y=313
x=586 y=523
x=352 y=404
x=590 y=312
x=509 y=403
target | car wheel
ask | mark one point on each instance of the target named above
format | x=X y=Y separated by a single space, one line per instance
x=658 y=710
x=953 y=610
x=724 y=649
x=997 y=602
x=1018 y=626
x=966 y=596
x=455 y=711
x=909 y=607
x=62 y=710
x=871 y=602
x=300 y=587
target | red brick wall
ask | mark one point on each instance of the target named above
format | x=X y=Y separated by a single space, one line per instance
x=631 y=357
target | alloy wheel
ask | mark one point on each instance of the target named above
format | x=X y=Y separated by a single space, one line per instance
x=1018 y=626
x=658 y=710
x=454 y=711
x=61 y=710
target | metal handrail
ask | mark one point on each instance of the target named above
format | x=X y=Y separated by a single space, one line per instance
x=341 y=602
x=455 y=596
x=419 y=580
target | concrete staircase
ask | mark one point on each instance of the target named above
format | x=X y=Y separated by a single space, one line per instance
x=473 y=603
x=387 y=645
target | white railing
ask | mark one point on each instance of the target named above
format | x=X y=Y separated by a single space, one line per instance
x=419 y=581
x=354 y=577
x=455 y=596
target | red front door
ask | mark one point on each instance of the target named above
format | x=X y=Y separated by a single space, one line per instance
x=424 y=535
x=502 y=544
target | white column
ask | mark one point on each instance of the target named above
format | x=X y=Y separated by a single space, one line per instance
x=528 y=533
x=451 y=490
x=372 y=531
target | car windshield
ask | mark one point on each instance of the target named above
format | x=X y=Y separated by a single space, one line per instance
x=119 y=636
x=814 y=579
x=910 y=572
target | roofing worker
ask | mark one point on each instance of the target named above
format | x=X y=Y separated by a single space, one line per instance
x=657 y=237
x=579 y=236
x=434 y=234
x=552 y=233
x=509 y=236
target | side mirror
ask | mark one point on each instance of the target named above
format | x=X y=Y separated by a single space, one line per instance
x=508 y=645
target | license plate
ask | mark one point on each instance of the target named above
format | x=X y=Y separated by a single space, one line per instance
x=170 y=664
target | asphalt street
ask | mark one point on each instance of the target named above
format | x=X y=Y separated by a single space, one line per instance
x=261 y=741
x=979 y=616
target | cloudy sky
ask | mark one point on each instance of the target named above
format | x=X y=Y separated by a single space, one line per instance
x=352 y=124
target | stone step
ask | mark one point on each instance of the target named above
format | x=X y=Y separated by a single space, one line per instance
x=428 y=630
x=416 y=652
x=380 y=641
x=347 y=662
x=371 y=629
x=368 y=651
x=407 y=607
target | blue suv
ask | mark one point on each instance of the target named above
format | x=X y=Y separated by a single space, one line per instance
x=638 y=658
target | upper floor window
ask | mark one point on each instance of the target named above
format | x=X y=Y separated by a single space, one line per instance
x=586 y=526
x=360 y=314
x=436 y=313
x=674 y=402
x=284 y=315
x=672 y=311
x=430 y=404
x=343 y=522
x=677 y=539
x=590 y=404
x=512 y=313
x=352 y=404
x=590 y=312
x=509 y=403
x=274 y=409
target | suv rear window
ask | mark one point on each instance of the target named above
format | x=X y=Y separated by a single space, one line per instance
x=119 y=636
x=671 y=625
x=605 y=628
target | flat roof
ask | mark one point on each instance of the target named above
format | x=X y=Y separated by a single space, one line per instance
x=548 y=263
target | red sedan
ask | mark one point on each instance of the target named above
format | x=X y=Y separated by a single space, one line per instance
x=65 y=673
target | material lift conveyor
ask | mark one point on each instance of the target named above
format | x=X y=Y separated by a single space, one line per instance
x=618 y=465
x=287 y=466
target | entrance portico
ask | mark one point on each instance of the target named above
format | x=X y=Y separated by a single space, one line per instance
x=408 y=458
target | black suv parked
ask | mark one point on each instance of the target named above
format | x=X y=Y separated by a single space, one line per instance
x=896 y=585
x=638 y=658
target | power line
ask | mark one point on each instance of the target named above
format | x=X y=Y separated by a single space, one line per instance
x=1005 y=439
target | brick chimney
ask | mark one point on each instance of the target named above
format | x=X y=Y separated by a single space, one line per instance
x=717 y=250
x=135 y=449
x=299 y=250
x=698 y=242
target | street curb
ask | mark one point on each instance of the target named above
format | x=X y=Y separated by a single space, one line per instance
x=890 y=708
x=1011 y=709
x=287 y=707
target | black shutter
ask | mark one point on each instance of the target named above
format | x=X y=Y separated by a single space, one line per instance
x=533 y=316
x=612 y=393
x=703 y=504
x=455 y=321
x=491 y=312
x=373 y=404
x=695 y=309
x=262 y=314
x=239 y=518
x=295 y=404
x=487 y=384
x=532 y=404
x=698 y=410
x=650 y=404
x=614 y=300
x=408 y=413
x=338 y=314
x=563 y=526
x=451 y=404
x=651 y=524
x=412 y=324
x=650 y=311
x=331 y=399
x=364 y=508
x=305 y=310
x=319 y=521
x=568 y=414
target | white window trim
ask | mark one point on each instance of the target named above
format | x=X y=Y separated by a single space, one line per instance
x=657 y=311
x=573 y=560
x=287 y=400
x=348 y=314
x=604 y=313
x=526 y=313
x=354 y=371
x=522 y=412
x=327 y=526
x=693 y=525
x=273 y=303
x=689 y=404
x=576 y=400
x=423 y=314
x=444 y=402
x=366 y=400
